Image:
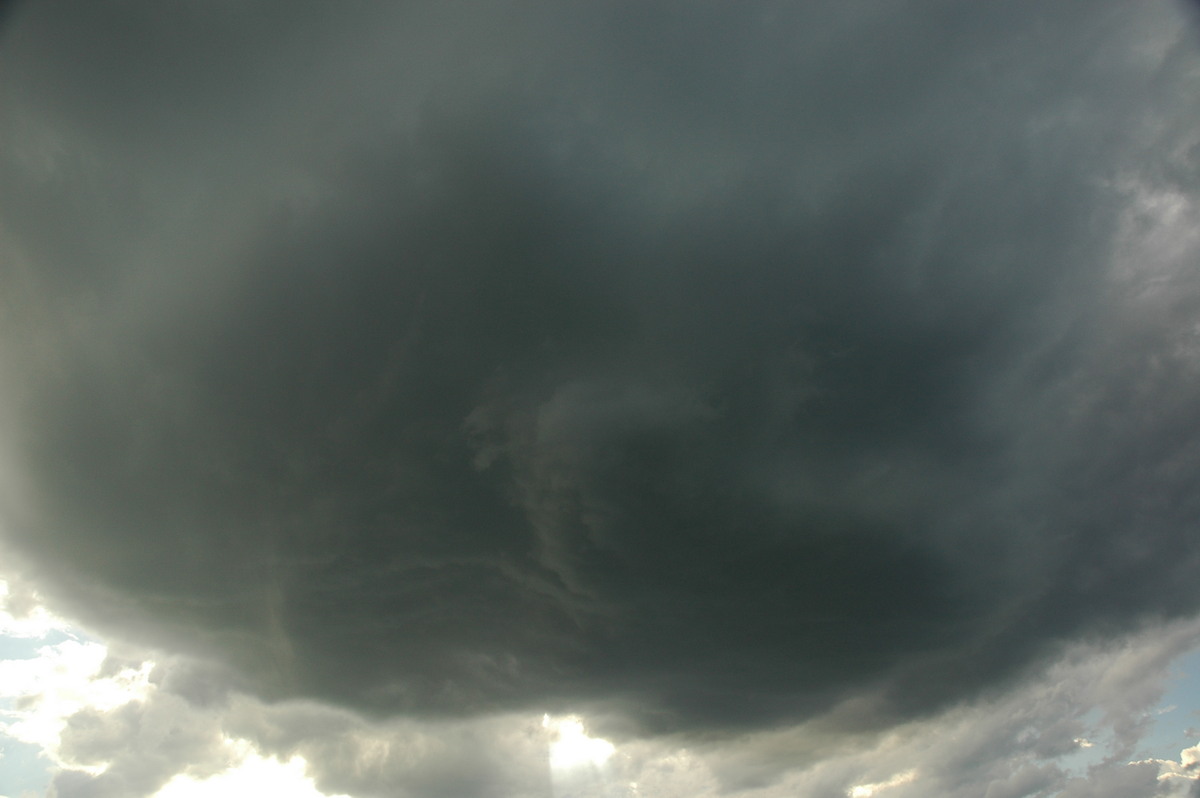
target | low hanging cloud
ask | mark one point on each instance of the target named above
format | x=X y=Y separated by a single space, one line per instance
x=702 y=369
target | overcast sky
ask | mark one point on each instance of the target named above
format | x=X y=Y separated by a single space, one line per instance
x=790 y=385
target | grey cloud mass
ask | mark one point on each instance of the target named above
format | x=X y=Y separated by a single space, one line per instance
x=700 y=366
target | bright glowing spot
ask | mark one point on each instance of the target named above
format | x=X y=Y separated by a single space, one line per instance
x=572 y=748
x=253 y=777
x=868 y=790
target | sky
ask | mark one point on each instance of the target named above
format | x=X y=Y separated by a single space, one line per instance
x=609 y=399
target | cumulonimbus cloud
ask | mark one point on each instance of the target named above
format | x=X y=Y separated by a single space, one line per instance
x=699 y=366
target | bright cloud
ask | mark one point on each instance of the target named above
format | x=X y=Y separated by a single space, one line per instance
x=61 y=681
x=253 y=776
x=1178 y=778
x=573 y=748
x=868 y=790
x=22 y=614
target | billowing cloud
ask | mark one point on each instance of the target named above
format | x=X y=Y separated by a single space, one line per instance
x=701 y=370
x=1075 y=728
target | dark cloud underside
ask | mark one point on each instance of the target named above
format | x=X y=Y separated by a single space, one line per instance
x=704 y=364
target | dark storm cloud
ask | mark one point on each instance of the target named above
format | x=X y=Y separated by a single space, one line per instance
x=7 y=8
x=703 y=366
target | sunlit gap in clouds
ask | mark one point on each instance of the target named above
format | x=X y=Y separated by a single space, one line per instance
x=252 y=775
x=869 y=790
x=577 y=761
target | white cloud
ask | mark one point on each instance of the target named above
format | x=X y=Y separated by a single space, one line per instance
x=869 y=790
x=1179 y=779
x=1089 y=708
x=58 y=695
x=61 y=681
x=253 y=776
x=22 y=614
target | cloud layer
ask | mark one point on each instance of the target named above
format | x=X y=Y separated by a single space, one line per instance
x=701 y=368
x=1076 y=728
